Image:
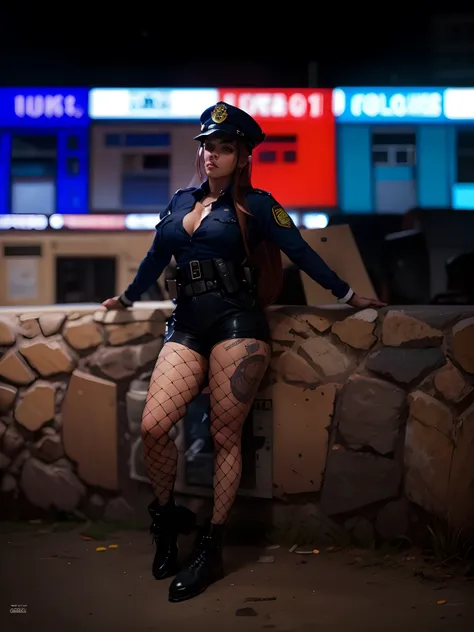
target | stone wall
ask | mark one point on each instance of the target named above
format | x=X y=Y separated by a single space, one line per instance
x=373 y=412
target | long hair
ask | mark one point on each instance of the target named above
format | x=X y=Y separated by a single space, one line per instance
x=266 y=256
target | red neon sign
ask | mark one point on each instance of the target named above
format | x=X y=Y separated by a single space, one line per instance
x=296 y=162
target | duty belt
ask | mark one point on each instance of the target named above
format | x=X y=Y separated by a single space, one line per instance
x=198 y=277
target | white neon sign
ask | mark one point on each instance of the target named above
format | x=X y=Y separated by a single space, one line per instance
x=23 y=222
x=150 y=103
x=459 y=104
x=398 y=105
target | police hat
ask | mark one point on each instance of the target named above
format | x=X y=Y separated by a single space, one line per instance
x=230 y=120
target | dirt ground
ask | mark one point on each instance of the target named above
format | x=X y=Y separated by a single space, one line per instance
x=63 y=584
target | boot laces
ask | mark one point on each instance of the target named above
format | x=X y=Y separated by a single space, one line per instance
x=198 y=557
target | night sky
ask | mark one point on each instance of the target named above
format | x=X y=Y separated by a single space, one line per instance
x=229 y=46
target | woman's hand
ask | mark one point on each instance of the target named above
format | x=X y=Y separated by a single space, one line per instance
x=113 y=304
x=362 y=302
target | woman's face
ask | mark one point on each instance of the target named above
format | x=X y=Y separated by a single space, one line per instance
x=220 y=157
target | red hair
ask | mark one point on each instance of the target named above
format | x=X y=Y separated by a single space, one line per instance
x=265 y=257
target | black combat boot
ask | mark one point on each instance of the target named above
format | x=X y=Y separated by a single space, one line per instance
x=168 y=522
x=204 y=567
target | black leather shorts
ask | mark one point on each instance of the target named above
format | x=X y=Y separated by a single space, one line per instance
x=201 y=322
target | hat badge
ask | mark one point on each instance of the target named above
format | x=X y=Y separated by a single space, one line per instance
x=219 y=113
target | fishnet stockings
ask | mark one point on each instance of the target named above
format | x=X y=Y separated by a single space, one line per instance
x=236 y=370
x=176 y=380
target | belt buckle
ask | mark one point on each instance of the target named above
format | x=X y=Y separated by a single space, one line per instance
x=195 y=270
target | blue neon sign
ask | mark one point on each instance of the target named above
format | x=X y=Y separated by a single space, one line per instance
x=43 y=107
x=389 y=105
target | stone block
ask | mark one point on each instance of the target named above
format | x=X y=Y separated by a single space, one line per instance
x=392 y=520
x=51 y=485
x=30 y=327
x=89 y=429
x=51 y=323
x=400 y=330
x=291 y=367
x=300 y=436
x=370 y=412
x=122 y=334
x=463 y=344
x=325 y=358
x=49 y=356
x=14 y=369
x=7 y=397
x=428 y=453
x=357 y=331
x=405 y=366
x=8 y=331
x=431 y=413
x=354 y=480
x=83 y=333
x=49 y=448
x=451 y=384
x=120 y=363
x=36 y=406
x=13 y=441
x=461 y=484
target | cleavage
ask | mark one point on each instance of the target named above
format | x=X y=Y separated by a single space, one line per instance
x=193 y=220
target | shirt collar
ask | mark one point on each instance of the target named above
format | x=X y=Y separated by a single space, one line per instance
x=203 y=190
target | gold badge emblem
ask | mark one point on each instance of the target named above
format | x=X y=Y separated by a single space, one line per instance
x=219 y=113
x=281 y=217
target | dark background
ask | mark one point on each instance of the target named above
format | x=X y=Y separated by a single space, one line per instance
x=219 y=44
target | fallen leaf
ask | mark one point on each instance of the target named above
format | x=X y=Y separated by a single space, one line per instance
x=440 y=602
x=113 y=546
x=315 y=551
x=85 y=537
x=101 y=548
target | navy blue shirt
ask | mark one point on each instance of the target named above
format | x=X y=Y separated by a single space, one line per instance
x=219 y=236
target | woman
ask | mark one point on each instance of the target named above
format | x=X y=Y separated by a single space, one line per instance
x=221 y=235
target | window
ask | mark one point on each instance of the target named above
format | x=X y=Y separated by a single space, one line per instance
x=33 y=174
x=267 y=156
x=85 y=279
x=465 y=155
x=277 y=149
x=137 y=140
x=156 y=161
x=145 y=181
x=380 y=157
x=72 y=166
x=72 y=142
x=393 y=149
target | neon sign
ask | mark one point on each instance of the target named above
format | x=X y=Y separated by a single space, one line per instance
x=150 y=103
x=189 y=103
x=43 y=107
x=385 y=105
x=48 y=105
x=280 y=104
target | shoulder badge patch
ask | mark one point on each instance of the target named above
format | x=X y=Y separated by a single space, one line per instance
x=281 y=217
